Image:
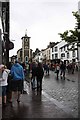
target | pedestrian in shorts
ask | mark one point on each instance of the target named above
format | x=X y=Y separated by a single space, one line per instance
x=17 y=73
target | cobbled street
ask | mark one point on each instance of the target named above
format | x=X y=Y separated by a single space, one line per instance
x=65 y=92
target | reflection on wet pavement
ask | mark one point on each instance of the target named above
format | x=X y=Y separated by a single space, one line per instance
x=35 y=104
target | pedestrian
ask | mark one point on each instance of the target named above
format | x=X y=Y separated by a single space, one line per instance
x=57 y=70
x=48 y=67
x=4 y=83
x=27 y=69
x=73 y=67
x=63 y=69
x=76 y=66
x=45 y=67
x=17 y=73
x=33 y=78
x=9 y=92
x=39 y=74
x=68 y=67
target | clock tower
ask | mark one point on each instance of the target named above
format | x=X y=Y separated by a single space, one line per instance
x=25 y=48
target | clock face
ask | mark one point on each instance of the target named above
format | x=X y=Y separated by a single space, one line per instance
x=26 y=40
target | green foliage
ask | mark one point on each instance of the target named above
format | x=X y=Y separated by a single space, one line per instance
x=71 y=36
x=77 y=16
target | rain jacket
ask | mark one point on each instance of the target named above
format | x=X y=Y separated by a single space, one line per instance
x=17 y=72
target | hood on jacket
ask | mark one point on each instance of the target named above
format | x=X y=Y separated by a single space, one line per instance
x=17 y=65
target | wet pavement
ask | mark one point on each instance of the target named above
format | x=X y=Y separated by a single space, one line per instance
x=0 y=111
x=58 y=99
x=34 y=105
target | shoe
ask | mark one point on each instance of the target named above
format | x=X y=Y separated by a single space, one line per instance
x=24 y=92
x=18 y=100
x=33 y=88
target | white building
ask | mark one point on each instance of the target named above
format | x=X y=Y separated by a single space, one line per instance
x=68 y=52
x=56 y=52
x=38 y=57
x=63 y=51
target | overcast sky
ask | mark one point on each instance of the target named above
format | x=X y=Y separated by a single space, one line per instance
x=43 y=19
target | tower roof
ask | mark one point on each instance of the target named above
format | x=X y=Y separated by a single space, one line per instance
x=26 y=32
x=25 y=35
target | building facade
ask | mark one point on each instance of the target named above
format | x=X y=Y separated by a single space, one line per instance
x=61 y=51
x=65 y=52
x=56 y=52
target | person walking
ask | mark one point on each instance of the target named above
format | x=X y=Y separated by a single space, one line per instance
x=33 y=78
x=17 y=73
x=63 y=69
x=4 y=82
x=8 y=91
x=73 y=67
x=39 y=74
x=57 y=70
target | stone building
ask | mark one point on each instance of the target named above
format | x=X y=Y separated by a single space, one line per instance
x=19 y=55
x=25 y=48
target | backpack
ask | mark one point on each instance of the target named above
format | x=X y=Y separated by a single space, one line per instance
x=9 y=76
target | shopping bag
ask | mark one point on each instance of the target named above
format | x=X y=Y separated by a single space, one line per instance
x=25 y=86
x=34 y=82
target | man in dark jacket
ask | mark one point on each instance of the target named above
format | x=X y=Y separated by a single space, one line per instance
x=63 y=69
x=33 y=75
x=39 y=74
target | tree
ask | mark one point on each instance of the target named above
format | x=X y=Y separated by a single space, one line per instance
x=36 y=52
x=71 y=36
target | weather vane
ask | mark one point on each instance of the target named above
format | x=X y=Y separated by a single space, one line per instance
x=26 y=32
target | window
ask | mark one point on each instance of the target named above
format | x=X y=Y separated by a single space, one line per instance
x=67 y=47
x=64 y=48
x=61 y=49
x=56 y=56
x=62 y=55
x=49 y=51
x=56 y=49
x=73 y=53
x=73 y=46
x=52 y=49
x=67 y=55
x=52 y=56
